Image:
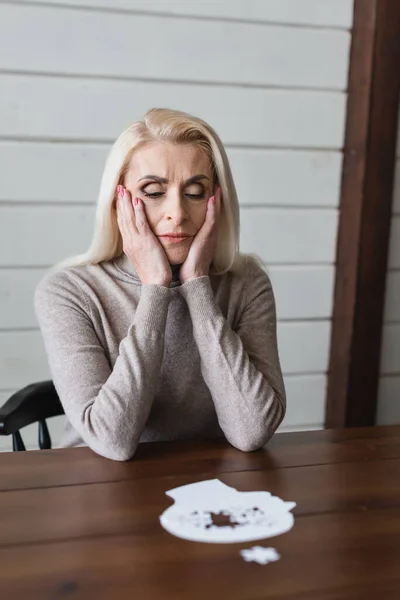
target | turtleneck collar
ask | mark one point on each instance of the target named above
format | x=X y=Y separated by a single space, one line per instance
x=126 y=268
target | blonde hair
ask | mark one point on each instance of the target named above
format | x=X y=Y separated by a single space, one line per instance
x=168 y=126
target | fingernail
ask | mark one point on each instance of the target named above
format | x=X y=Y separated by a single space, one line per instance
x=136 y=201
x=121 y=191
x=212 y=199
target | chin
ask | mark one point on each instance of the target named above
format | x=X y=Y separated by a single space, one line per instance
x=176 y=257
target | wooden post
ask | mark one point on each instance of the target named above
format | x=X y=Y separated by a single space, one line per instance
x=365 y=214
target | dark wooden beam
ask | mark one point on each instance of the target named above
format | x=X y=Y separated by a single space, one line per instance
x=365 y=214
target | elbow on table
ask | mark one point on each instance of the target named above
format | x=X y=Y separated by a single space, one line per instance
x=120 y=454
x=258 y=435
x=250 y=440
x=109 y=442
x=251 y=443
x=117 y=452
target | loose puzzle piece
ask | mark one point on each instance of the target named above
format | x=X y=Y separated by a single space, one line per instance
x=260 y=555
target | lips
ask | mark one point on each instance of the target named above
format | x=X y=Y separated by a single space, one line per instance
x=175 y=235
x=174 y=238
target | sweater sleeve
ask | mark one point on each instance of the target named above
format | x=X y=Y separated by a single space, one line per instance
x=241 y=368
x=107 y=407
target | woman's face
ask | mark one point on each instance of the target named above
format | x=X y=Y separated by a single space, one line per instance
x=175 y=182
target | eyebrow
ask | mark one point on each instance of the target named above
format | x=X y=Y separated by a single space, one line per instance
x=164 y=180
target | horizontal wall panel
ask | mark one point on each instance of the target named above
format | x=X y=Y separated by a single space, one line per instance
x=91 y=109
x=284 y=177
x=276 y=235
x=16 y=297
x=305 y=400
x=312 y=427
x=304 y=346
x=390 y=357
x=72 y=173
x=394 y=244
x=103 y=45
x=281 y=236
x=392 y=297
x=303 y=349
x=334 y=13
x=52 y=172
x=62 y=231
x=388 y=401
x=302 y=292
x=312 y=287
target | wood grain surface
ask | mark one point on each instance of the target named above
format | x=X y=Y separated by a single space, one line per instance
x=75 y=525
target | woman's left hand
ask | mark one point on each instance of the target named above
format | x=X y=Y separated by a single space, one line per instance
x=202 y=249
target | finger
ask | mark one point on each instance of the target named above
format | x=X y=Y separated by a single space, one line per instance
x=211 y=214
x=127 y=209
x=140 y=214
x=120 y=213
x=217 y=195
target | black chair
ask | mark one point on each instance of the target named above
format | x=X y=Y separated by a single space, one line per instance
x=33 y=404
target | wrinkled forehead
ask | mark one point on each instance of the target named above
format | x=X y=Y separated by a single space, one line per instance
x=175 y=162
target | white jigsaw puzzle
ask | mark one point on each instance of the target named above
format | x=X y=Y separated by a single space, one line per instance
x=260 y=555
x=210 y=511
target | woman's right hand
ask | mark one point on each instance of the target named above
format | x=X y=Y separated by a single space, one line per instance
x=139 y=242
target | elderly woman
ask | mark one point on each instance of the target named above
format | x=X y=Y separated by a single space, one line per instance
x=162 y=330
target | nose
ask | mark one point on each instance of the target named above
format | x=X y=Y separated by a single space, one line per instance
x=175 y=208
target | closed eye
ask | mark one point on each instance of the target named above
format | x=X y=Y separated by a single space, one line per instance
x=153 y=194
x=159 y=194
x=195 y=196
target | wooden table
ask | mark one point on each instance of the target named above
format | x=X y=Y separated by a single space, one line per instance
x=75 y=525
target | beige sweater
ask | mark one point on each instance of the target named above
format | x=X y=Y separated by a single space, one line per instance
x=134 y=363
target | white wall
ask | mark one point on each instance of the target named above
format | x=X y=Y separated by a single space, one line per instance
x=389 y=388
x=269 y=75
